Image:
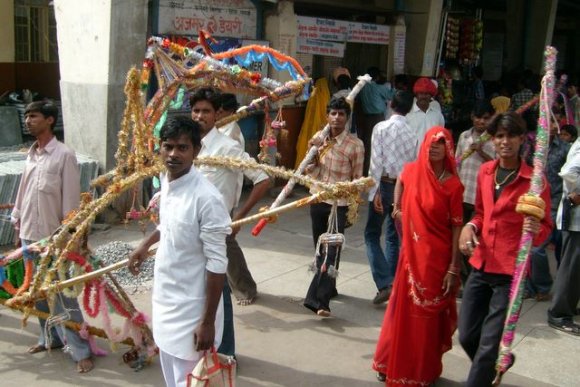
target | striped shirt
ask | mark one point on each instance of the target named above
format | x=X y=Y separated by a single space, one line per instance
x=392 y=145
x=340 y=159
x=469 y=167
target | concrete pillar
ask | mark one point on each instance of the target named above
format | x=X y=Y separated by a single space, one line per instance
x=7 y=44
x=98 y=42
x=281 y=30
x=540 y=28
x=423 y=22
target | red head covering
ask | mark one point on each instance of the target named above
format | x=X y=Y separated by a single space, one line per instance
x=435 y=134
x=425 y=85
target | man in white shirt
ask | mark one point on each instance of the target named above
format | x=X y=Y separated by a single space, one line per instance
x=392 y=145
x=423 y=115
x=191 y=258
x=204 y=104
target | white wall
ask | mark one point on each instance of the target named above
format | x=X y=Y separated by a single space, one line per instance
x=98 y=40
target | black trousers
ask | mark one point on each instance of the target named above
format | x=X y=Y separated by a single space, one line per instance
x=323 y=286
x=481 y=320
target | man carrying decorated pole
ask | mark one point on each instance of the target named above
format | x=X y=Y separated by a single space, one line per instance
x=191 y=259
x=49 y=190
x=491 y=239
x=312 y=152
x=205 y=103
x=340 y=158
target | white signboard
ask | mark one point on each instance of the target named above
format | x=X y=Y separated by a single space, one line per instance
x=320 y=47
x=342 y=31
x=322 y=29
x=368 y=33
x=225 y=18
x=399 y=51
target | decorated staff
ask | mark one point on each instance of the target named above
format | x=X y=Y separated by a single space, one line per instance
x=312 y=152
x=530 y=205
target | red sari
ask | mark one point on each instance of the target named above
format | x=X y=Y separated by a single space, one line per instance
x=419 y=320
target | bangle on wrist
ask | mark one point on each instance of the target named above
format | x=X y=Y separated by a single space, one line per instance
x=452 y=272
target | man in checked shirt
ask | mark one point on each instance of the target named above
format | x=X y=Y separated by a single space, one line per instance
x=340 y=158
x=392 y=145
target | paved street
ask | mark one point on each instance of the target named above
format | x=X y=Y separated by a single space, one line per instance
x=281 y=343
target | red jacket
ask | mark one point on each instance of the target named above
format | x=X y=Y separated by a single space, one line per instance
x=499 y=225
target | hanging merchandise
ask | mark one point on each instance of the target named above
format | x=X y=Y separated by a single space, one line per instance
x=269 y=144
x=471 y=41
x=452 y=38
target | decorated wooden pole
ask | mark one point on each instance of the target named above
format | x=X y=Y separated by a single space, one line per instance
x=362 y=81
x=532 y=205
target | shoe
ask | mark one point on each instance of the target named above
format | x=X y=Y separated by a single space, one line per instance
x=566 y=326
x=540 y=297
x=381 y=377
x=382 y=296
x=323 y=313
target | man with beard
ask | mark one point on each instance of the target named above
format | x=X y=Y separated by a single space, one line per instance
x=424 y=115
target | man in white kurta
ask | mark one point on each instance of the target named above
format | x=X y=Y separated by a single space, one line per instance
x=191 y=261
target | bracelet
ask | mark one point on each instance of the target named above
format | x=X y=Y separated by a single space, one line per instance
x=451 y=272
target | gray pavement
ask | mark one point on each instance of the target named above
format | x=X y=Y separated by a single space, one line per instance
x=281 y=343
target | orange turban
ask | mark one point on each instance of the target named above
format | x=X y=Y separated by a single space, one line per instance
x=425 y=85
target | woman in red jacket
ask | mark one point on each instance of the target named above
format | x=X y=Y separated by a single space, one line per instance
x=491 y=238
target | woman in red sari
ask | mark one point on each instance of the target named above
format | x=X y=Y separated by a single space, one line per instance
x=421 y=316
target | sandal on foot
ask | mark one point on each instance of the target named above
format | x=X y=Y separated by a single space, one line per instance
x=381 y=377
x=41 y=348
x=85 y=365
x=323 y=313
x=566 y=326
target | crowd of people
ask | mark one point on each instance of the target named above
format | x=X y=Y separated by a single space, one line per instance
x=449 y=214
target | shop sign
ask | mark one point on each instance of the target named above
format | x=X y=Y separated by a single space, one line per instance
x=368 y=33
x=320 y=47
x=226 y=18
x=342 y=31
x=322 y=29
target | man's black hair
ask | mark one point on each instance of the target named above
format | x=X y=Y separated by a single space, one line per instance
x=401 y=79
x=228 y=102
x=570 y=129
x=512 y=122
x=206 y=94
x=374 y=72
x=177 y=126
x=343 y=81
x=46 y=108
x=482 y=107
x=338 y=104
x=402 y=102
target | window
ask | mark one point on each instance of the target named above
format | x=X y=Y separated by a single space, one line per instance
x=35 y=31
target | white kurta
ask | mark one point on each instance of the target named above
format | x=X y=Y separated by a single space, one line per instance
x=228 y=181
x=421 y=121
x=193 y=225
